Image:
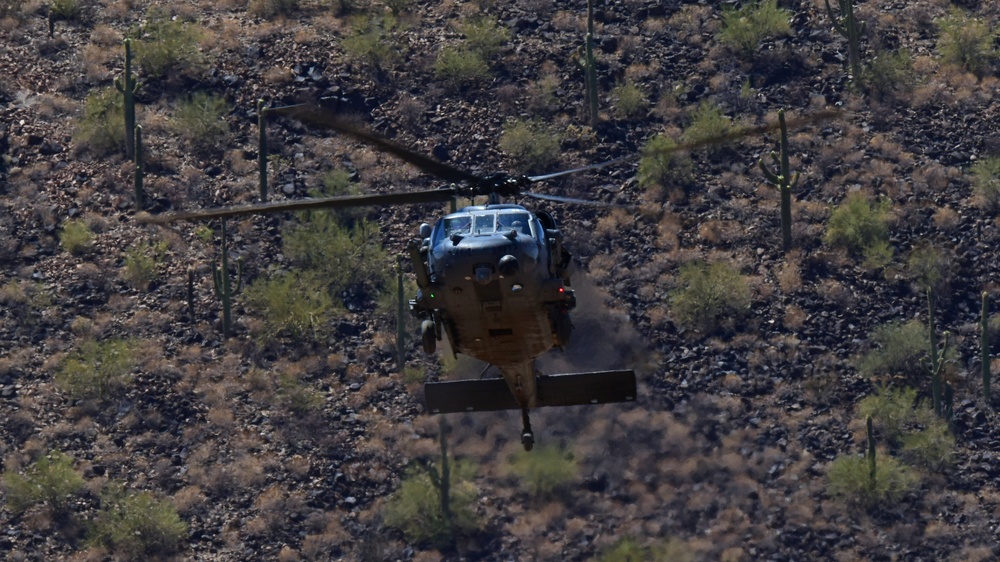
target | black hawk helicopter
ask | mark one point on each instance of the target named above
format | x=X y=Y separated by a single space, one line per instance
x=494 y=278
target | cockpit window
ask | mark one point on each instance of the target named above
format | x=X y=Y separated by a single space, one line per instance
x=457 y=225
x=514 y=221
x=484 y=223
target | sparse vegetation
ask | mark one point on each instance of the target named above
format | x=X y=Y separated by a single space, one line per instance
x=100 y=128
x=484 y=37
x=662 y=166
x=167 y=46
x=898 y=350
x=630 y=100
x=544 y=470
x=98 y=370
x=51 y=480
x=967 y=42
x=415 y=508
x=137 y=525
x=142 y=263
x=373 y=41
x=862 y=227
x=743 y=29
x=76 y=237
x=272 y=8
x=292 y=303
x=890 y=73
x=850 y=480
x=460 y=67
x=200 y=121
x=707 y=122
x=531 y=145
x=986 y=182
x=709 y=297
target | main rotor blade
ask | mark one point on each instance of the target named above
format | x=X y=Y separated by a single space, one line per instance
x=311 y=114
x=584 y=168
x=342 y=202
x=564 y=199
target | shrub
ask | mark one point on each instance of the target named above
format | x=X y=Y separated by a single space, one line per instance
x=930 y=268
x=932 y=447
x=100 y=128
x=986 y=182
x=544 y=470
x=898 y=349
x=200 y=121
x=889 y=73
x=293 y=303
x=166 y=46
x=967 y=42
x=141 y=264
x=97 y=370
x=415 y=508
x=299 y=398
x=628 y=549
x=893 y=412
x=630 y=100
x=270 y=8
x=709 y=297
x=849 y=480
x=484 y=37
x=662 y=166
x=744 y=29
x=136 y=525
x=75 y=237
x=50 y=480
x=707 y=122
x=861 y=226
x=373 y=41
x=66 y=10
x=460 y=67
x=532 y=146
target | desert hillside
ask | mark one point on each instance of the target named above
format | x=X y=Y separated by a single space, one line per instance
x=138 y=421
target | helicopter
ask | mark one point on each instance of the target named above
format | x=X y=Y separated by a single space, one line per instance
x=494 y=279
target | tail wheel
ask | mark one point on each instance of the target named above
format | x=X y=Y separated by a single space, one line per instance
x=428 y=336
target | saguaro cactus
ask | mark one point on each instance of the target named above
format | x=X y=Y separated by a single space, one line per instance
x=937 y=355
x=848 y=26
x=984 y=349
x=127 y=85
x=224 y=288
x=140 y=194
x=872 y=475
x=782 y=178
x=590 y=66
x=400 y=317
x=262 y=148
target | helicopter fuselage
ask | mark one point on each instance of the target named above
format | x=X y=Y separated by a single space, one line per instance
x=493 y=278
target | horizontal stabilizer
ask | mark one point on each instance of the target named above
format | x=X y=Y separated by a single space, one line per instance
x=575 y=389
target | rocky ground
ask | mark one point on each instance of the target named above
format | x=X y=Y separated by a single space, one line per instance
x=289 y=450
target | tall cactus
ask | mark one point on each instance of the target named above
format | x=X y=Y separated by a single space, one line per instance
x=442 y=479
x=590 y=67
x=984 y=349
x=872 y=475
x=223 y=286
x=848 y=26
x=400 y=317
x=128 y=85
x=782 y=178
x=262 y=148
x=140 y=194
x=937 y=358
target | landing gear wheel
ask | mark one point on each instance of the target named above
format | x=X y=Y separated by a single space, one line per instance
x=428 y=336
x=527 y=436
x=528 y=440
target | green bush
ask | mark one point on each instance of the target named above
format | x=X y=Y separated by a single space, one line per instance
x=415 y=508
x=50 y=480
x=76 y=237
x=66 y=10
x=628 y=549
x=662 y=166
x=986 y=182
x=142 y=263
x=267 y=9
x=849 y=480
x=459 y=67
x=532 y=146
x=743 y=30
x=709 y=297
x=910 y=427
x=137 y=526
x=101 y=128
x=861 y=226
x=166 y=46
x=630 y=100
x=707 y=122
x=893 y=412
x=544 y=470
x=897 y=350
x=967 y=42
x=201 y=121
x=930 y=268
x=889 y=73
x=293 y=303
x=484 y=37
x=932 y=447
x=373 y=41
x=97 y=370
x=298 y=397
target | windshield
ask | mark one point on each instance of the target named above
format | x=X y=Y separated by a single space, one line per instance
x=514 y=221
x=485 y=223
x=457 y=225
